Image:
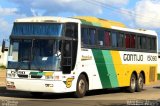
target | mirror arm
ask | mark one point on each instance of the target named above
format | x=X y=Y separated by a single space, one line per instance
x=3 y=46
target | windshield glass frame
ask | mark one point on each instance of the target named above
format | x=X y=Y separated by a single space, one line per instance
x=31 y=63
x=34 y=29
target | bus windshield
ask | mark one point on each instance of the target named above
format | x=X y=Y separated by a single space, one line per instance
x=37 y=29
x=35 y=55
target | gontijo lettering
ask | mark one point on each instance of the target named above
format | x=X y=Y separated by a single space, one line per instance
x=132 y=57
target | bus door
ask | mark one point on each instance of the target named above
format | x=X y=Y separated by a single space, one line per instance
x=69 y=48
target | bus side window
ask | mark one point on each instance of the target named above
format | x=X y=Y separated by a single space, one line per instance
x=144 y=42
x=107 y=38
x=139 y=42
x=101 y=37
x=153 y=43
x=149 y=43
x=92 y=35
x=127 y=41
x=132 y=41
x=114 y=39
x=120 y=38
x=71 y=30
x=85 y=37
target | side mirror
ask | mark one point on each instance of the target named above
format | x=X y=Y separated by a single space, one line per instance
x=3 y=46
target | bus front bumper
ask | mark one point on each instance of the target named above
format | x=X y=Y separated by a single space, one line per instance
x=33 y=85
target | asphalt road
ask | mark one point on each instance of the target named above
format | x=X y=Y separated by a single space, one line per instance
x=113 y=97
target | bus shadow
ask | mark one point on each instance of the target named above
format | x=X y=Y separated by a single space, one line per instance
x=157 y=87
x=21 y=94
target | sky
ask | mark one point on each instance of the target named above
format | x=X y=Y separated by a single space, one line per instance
x=138 y=14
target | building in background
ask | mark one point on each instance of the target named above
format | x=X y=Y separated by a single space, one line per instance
x=3 y=57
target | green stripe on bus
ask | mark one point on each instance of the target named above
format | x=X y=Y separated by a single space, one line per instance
x=102 y=69
x=110 y=68
x=36 y=73
x=86 y=23
x=96 y=24
x=106 y=70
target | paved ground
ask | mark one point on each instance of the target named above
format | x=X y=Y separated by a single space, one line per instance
x=113 y=97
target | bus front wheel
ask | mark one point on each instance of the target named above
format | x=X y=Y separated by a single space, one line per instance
x=81 y=87
x=140 y=83
x=132 y=86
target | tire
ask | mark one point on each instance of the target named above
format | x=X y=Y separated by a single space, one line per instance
x=140 y=83
x=36 y=94
x=132 y=86
x=82 y=87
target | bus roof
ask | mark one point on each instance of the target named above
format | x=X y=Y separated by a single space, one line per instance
x=48 y=19
x=93 y=21
x=87 y=20
x=141 y=31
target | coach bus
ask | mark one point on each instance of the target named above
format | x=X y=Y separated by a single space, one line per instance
x=78 y=54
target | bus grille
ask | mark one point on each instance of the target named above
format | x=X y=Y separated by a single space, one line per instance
x=36 y=76
x=152 y=73
x=22 y=76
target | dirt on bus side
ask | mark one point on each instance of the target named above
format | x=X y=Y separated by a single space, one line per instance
x=2 y=77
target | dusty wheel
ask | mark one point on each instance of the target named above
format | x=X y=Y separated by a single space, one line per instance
x=82 y=87
x=132 y=86
x=140 y=83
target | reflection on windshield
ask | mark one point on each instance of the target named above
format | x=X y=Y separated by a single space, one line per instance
x=44 y=55
x=36 y=55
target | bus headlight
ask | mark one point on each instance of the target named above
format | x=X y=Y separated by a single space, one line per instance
x=52 y=77
x=48 y=77
x=10 y=85
x=11 y=75
x=56 y=78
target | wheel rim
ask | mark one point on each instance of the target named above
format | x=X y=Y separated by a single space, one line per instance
x=81 y=86
x=133 y=83
x=140 y=82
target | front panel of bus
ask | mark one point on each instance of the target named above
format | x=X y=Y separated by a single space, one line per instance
x=41 y=51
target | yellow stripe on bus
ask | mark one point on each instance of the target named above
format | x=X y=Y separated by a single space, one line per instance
x=124 y=71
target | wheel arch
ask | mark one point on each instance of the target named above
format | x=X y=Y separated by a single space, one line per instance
x=142 y=72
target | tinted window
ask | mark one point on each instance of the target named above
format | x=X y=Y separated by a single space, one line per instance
x=71 y=30
x=85 y=37
x=114 y=39
x=101 y=37
x=120 y=38
x=107 y=39
x=149 y=43
x=92 y=36
x=143 y=42
x=153 y=43
x=127 y=40
x=132 y=41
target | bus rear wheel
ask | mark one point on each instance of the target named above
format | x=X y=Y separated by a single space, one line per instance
x=140 y=83
x=132 y=86
x=82 y=87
